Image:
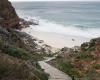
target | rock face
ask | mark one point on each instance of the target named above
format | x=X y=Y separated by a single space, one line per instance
x=8 y=16
x=26 y=23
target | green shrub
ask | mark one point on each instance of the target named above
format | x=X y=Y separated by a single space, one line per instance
x=4 y=71
x=91 y=75
x=16 y=52
x=89 y=50
x=11 y=68
x=97 y=66
x=68 y=68
x=40 y=74
x=13 y=50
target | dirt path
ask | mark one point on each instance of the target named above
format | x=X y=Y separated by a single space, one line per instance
x=54 y=73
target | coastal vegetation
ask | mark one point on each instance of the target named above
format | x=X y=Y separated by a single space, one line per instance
x=83 y=64
x=18 y=62
x=19 y=54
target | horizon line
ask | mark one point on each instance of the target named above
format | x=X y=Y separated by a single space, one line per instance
x=55 y=1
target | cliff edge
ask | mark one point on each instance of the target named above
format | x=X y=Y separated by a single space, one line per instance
x=19 y=54
x=8 y=16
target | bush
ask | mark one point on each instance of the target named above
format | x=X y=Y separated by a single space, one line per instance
x=91 y=75
x=97 y=66
x=16 y=52
x=13 y=69
x=68 y=68
x=13 y=50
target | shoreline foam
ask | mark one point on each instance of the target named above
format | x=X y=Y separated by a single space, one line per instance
x=57 y=40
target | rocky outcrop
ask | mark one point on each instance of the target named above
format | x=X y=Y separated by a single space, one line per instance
x=26 y=23
x=8 y=16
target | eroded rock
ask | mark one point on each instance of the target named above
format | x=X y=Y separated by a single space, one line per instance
x=8 y=16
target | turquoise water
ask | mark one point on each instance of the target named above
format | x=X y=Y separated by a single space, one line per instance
x=74 y=18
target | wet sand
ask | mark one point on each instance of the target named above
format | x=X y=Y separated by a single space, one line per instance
x=57 y=40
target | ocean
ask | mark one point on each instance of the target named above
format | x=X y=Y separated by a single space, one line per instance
x=66 y=18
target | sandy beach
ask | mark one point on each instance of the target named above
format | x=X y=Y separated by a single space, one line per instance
x=57 y=40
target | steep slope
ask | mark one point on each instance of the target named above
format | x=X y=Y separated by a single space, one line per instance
x=18 y=51
x=82 y=63
x=19 y=56
x=8 y=16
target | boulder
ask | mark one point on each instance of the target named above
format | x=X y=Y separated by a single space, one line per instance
x=8 y=16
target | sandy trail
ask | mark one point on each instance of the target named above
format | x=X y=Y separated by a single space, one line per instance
x=54 y=73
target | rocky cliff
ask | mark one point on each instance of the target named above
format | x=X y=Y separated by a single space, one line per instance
x=8 y=16
x=19 y=54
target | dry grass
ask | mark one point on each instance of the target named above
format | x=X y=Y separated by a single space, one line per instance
x=14 y=69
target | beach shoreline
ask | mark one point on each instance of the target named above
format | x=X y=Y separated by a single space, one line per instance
x=57 y=40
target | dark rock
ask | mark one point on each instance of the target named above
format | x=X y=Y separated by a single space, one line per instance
x=9 y=18
x=41 y=41
x=24 y=23
x=3 y=31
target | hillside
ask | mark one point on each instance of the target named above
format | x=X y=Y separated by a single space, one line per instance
x=19 y=54
x=81 y=63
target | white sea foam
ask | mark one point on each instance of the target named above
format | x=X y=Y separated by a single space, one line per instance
x=47 y=26
x=62 y=22
x=58 y=35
